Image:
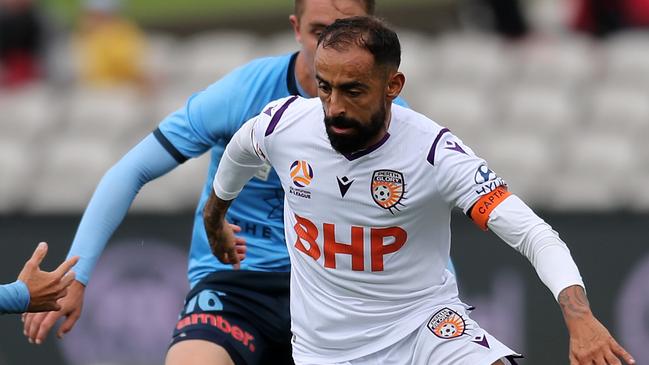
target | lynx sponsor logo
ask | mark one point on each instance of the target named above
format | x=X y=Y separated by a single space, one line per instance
x=487 y=180
x=447 y=323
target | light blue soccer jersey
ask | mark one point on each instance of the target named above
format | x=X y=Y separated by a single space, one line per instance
x=208 y=121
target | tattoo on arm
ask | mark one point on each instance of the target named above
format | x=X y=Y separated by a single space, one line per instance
x=573 y=301
x=214 y=211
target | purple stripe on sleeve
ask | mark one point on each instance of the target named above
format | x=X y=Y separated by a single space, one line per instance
x=431 y=153
x=278 y=116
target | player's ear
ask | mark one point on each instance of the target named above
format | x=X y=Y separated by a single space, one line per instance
x=396 y=80
x=295 y=24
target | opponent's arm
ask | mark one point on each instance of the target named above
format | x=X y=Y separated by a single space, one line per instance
x=106 y=210
x=517 y=225
x=113 y=197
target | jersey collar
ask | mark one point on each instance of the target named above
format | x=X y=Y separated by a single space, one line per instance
x=354 y=155
x=291 y=82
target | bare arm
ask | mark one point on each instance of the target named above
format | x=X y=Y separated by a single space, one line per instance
x=228 y=248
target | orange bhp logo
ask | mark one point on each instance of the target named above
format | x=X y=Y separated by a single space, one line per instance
x=447 y=324
x=387 y=188
x=301 y=173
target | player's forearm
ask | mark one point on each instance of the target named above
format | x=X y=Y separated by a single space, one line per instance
x=517 y=225
x=214 y=213
x=112 y=199
x=574 y=304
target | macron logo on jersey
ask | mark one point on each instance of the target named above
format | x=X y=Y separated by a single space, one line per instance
x=344 y=184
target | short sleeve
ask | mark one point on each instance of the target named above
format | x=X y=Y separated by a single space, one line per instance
x=213 y=115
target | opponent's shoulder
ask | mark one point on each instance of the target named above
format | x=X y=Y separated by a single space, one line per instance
x=265 y=65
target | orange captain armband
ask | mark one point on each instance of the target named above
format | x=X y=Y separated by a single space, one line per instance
x=480 y=211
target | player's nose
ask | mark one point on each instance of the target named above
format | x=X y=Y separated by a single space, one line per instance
x=335 y=106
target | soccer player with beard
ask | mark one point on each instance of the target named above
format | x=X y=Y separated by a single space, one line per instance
x=368 y=278
x=241 y=316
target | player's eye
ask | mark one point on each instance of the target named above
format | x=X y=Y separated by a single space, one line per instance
x=354 y=93
x=324 y=87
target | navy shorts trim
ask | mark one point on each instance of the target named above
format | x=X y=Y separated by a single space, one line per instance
x=211 y=336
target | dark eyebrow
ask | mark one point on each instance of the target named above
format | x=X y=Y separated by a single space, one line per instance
x=346 y=85
x=320 y=79
x=352 y=85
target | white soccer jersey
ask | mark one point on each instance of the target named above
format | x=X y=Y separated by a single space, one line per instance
x=368 y=233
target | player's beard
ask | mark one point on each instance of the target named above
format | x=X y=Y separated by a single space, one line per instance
x=363 y=132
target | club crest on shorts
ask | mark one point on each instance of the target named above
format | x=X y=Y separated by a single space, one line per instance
x=388 y=188
x=447 y=324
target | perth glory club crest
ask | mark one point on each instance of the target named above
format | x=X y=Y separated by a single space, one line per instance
x=388 y=188
x=447 y=323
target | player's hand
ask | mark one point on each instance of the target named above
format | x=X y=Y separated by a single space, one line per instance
x=46 y=288
x=225 y=245
x=36 y=326
x=590 y=341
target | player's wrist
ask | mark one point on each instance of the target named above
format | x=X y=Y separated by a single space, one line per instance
x=574 y=306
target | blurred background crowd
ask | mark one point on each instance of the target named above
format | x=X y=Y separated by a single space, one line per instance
x=554 y=93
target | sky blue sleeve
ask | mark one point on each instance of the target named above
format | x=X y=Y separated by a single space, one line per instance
x=214 y=114
x=14 y=297
x=114 y=195
x=400 y=101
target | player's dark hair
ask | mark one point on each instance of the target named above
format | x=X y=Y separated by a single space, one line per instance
x=298 y=8
x=366 y=32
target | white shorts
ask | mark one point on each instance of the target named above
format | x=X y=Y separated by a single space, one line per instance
x=448 y=337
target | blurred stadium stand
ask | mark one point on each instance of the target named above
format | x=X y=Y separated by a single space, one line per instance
x=558 y=108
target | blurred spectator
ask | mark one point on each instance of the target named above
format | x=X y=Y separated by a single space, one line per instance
x=602 y=17
x=110 y=47
x=21 y=41
x=504 y=17
x=509 y=19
